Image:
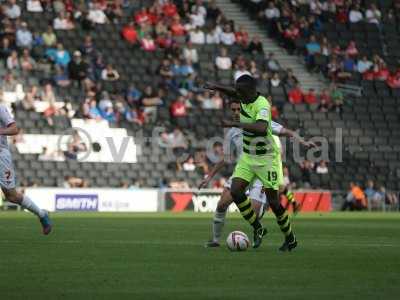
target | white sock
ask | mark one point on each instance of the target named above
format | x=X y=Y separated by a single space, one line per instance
x=32 y=207
x=218 y=224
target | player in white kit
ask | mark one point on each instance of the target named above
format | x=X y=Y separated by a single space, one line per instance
x=8 y=127
x=255 y=191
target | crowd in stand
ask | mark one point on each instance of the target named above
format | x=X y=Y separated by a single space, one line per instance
x=371 y=197
x=292 y=21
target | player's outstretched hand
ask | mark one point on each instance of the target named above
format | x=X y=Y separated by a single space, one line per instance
x=309 y=144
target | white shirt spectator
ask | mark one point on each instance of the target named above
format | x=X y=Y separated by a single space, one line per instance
x=227 y=38
x=34 y=6
x=12 y=11
x=363 y=65
x=355 y=16
x=373 y=16
x=61 y=24
x=191 y=54
x=197 y=37
x=97 y=16
x=272 y=13
x=212 y=37
x=200 y=10
x=223 y=62
x=197 y=20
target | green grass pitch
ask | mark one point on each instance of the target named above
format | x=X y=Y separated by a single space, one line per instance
x=161 y=256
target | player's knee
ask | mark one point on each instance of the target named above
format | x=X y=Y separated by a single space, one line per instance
x=237 y=193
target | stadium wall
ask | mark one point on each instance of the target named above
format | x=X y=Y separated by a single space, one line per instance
x=152 y=200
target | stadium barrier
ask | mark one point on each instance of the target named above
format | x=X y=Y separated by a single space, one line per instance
x=157 y=200
x=96 y=199
x=206 y=200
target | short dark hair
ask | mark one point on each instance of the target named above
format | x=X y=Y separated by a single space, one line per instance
x=247 y=81
x=234 y=100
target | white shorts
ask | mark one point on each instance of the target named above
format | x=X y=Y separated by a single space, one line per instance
x=254 y=192
x=7 y=171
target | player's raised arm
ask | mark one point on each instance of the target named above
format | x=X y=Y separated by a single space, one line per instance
x=227 y=90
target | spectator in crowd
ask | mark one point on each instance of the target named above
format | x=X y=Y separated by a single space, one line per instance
x=212 y=36
x=393 y=80
x=75 y=182
x=295 y=95
x=61 y=78
x=148 y=43
x=313 y=48
x=34 y=6
x=94 y=111
x=324 y=101
x=255 y=46
x=275 y=80
x=27 y=63
x=49 y=37
x=337 y=98
x=77 y=68
x=12 y=10
x=24 y=38
x=363 y=65
x=13 y=61
x=150 y=101
x=210 y=102
x=129 y=33
x=176 y=140
x=5 y=49
x=290 y=80
x=227 y=37
x=197 y=36
x=242 y=37
x=352 y=50
x=373 y=14
x=322 y=168
x=61 y=56
x=355 y=14
x=355 y=199
x=271 y=63
x=370 y=190
x=190 y=53
x=310 y=97
x=61 y=22
x=178 y=109
x=189 y=165
x=223 y=61
x=96 y=14
x=109 y=73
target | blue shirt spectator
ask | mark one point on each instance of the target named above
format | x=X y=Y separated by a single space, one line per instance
x=313 y=47
x=24 y=38
x=348 y=64
x=133 y=95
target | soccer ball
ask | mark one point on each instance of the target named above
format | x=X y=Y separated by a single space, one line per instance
x=237 y=241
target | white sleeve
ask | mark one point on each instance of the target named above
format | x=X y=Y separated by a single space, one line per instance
x=5 y=116
x=276 y=128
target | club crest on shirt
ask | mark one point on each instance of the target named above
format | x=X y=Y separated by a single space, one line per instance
x=264 y=113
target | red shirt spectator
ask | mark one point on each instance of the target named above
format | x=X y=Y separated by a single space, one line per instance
x=352 y=50
x=295 y=95
x=369 y=75
x=178 y=108
x=292 y=32
x=342 y=16
x=382 y=74
x=242 y=37
x=310 y=97
x=177 y=28
x=394 y=81
x=129 y=33
x=169 y=9
x=142 y=16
